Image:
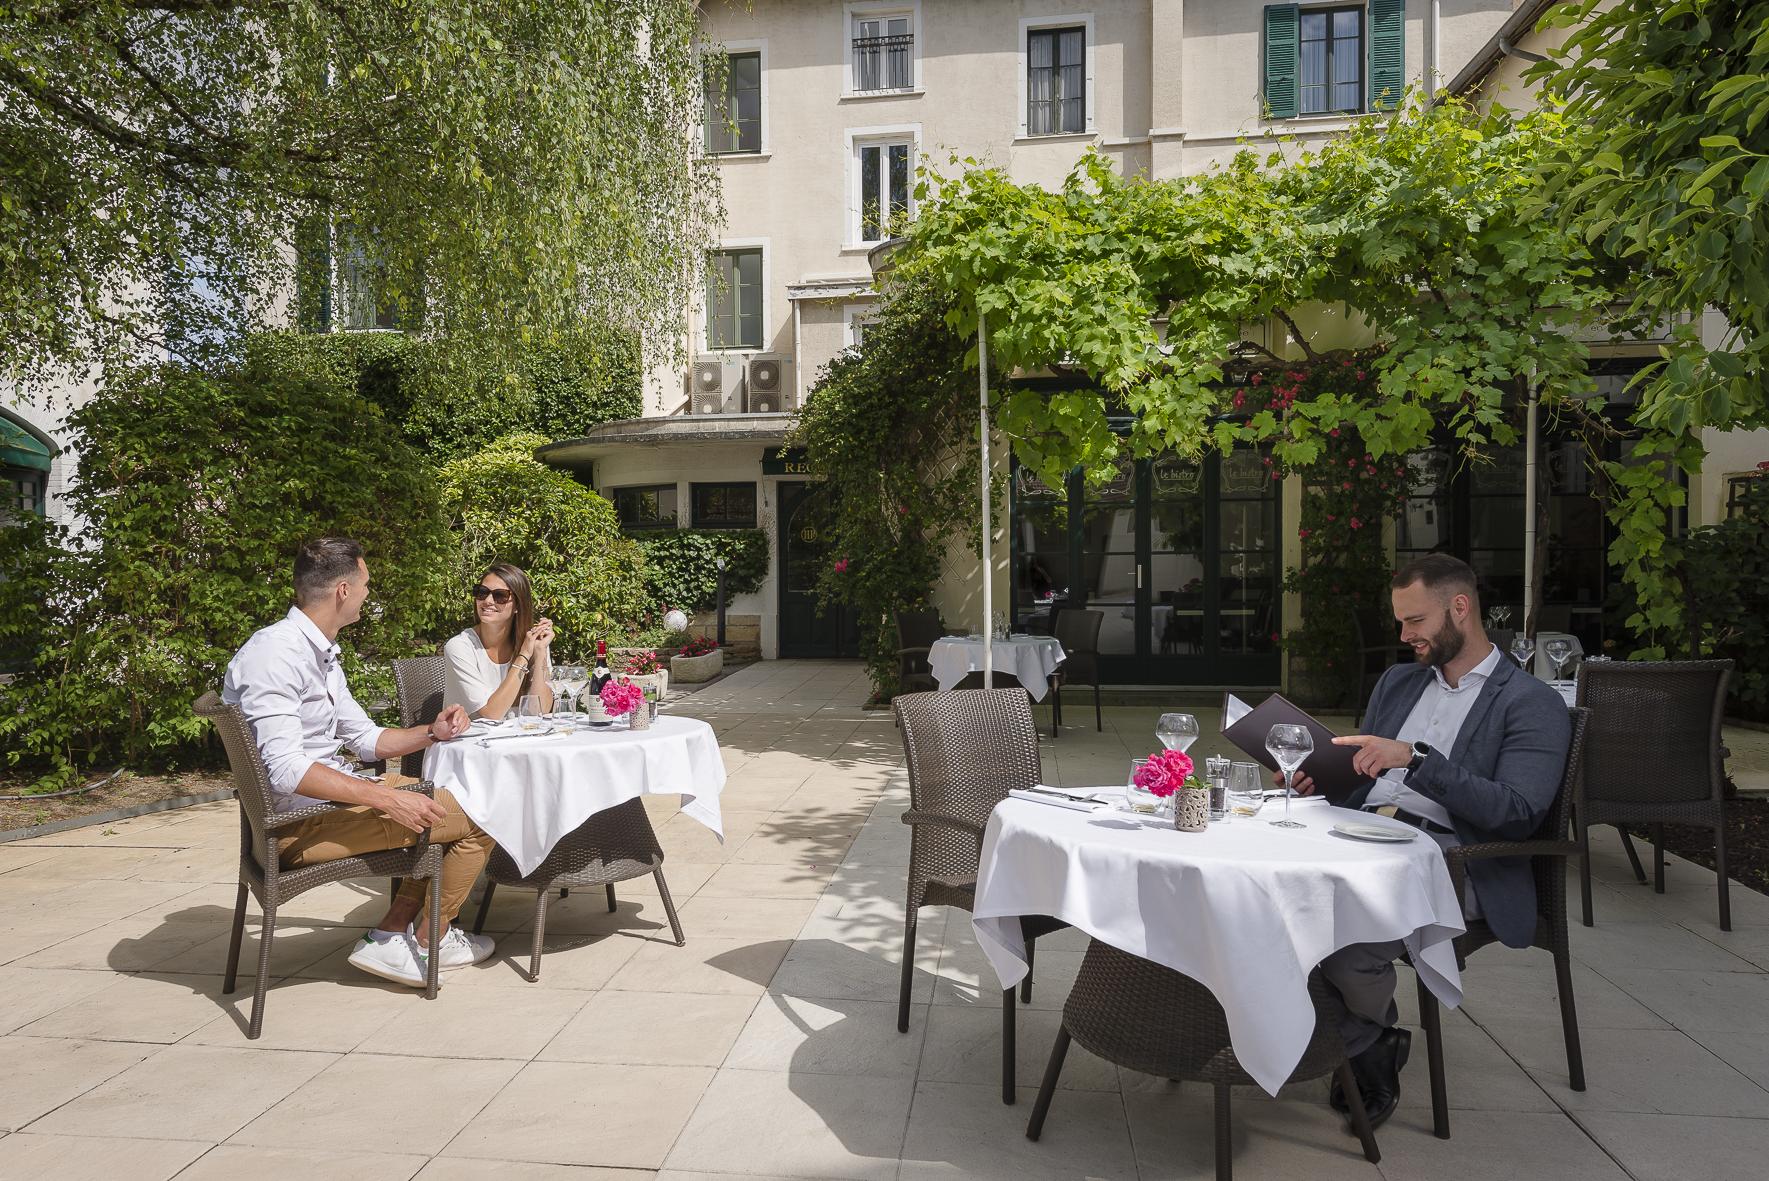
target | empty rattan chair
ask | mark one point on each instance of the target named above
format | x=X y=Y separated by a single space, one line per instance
x=1655 y=758
x=1147 y=1017
x=1548 y=849
x=916 y=633
x=965 y=749
x=418 y=682
x=1078 y=632
x=262 y=873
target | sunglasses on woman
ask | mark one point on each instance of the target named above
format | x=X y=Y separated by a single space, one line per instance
x=500 y=597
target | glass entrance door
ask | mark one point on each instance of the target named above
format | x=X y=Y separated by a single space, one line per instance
x=1179 y=556
x=807 y=629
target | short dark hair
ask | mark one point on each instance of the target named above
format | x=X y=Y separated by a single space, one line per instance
x=1439 y=572
x=320 y=563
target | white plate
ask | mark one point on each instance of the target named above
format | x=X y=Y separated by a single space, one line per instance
x=1375 y=832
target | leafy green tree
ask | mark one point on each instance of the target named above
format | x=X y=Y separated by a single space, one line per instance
x=681 y=565
x=507 y=507
x=195 y=489
x=1670 y=185
x=502 y=168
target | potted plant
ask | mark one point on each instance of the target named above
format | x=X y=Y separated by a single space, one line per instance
x=701 y=659
x=644 y=668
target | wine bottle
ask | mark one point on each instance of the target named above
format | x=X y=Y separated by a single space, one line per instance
x=600 y=675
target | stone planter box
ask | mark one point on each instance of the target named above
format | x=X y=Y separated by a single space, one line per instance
x=691 y=670
x=658 y=682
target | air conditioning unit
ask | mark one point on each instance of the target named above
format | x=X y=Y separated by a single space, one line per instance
x=716 y=385
x=768 y=384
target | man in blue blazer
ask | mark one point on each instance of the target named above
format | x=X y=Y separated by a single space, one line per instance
x=1467 y=747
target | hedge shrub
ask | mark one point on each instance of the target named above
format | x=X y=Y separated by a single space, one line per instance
x=1727 y=573
x=505 y=506
x=195 y=490
x=681 y=565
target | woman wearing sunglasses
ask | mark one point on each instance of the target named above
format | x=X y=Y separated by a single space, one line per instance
x=505 y=654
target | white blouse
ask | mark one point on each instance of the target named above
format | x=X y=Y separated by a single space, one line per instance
x=473 y=676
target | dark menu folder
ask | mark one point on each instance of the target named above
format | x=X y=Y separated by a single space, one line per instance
x=1328 y=765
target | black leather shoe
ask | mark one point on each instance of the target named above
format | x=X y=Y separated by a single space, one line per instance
x=1377 y=1071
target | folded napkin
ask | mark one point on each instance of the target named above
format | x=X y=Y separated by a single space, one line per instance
x=1074 y=798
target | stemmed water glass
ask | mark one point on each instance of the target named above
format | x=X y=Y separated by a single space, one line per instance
x=1501 y=616
x=1522 y=648
x=573 y=677
x=1289 y=745
x=1559 y=651
x=1177 y=731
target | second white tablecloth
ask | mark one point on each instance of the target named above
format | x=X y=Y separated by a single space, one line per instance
x=529 y=792
x=1244 y=908
x=1029 y=658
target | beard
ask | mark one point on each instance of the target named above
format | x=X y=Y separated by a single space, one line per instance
x=1442 y=647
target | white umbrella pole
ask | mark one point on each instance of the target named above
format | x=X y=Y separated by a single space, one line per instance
x=1529 y=514
x=988 y=563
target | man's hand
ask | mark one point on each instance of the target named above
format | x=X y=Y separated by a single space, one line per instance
x=450 y=722
x=1376 y=755
x=1302 y=785
x=414 y=810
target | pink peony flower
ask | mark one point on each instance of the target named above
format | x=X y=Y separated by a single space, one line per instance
x=621 y=697
x=1164 y=773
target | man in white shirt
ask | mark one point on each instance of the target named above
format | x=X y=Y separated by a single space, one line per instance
x=287 y=682
x=1468 y=748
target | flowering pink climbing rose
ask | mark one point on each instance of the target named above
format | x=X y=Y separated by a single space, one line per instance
x=841 y=565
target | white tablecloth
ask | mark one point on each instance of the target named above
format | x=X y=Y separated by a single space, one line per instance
x=1244 y=908
x=529 y=792
x=1030 y=658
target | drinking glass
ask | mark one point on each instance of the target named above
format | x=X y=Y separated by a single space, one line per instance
x=561 y=688
x=1177 y=731
x=1522 y=648
x=1559 y=651
x=1137 y=799
x=1289 y=745
x=1502 y=615
x=575 y=677
x=528 y=712
x=1246 y=789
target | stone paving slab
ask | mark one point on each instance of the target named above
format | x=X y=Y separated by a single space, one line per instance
x=767 y=1047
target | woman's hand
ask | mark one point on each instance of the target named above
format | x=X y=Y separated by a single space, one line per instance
x=539 y=638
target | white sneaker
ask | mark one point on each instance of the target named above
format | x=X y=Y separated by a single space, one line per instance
x=398 y=959
x=461 y=950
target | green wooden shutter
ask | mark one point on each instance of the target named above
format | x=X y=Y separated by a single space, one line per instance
x=1388 y=53
x=1283 y=31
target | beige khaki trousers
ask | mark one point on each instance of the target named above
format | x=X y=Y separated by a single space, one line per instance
x=357 y=828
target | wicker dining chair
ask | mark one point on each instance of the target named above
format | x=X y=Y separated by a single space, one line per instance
x=261 y=870
x=418 y=683
x=615 y=845
x=1656 y=758
x=916 y=633
x=1078 y=632
x=1147 y=1017
x=965 y=749
x=1548 y=849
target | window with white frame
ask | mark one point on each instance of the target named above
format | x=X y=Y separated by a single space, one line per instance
x=883 y=50
x=884 y=174
x=734 y=299
x=734 y=104
x=1056 y=80
x=857 y=318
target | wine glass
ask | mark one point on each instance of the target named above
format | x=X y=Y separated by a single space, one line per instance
x=575 y=678
x=528 y=713
x=560 y=684
x=1289 y=745
x=1502 y=615
x=1522 y=649
x=1559 y=651
x=1177 y=731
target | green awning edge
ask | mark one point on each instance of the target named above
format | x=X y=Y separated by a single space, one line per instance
x=23 y=445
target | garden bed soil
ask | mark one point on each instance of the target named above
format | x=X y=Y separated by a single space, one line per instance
x=1747 y=842
x=125 y=791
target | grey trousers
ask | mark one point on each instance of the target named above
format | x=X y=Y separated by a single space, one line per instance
x=1363 y=974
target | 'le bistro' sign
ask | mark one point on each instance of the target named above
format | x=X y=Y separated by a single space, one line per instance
x=785 y=461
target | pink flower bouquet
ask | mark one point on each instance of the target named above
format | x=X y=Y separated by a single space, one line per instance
x=621 y=697
x=1164 y=773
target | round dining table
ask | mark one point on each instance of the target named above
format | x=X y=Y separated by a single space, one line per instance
x=1246 y=909
x=530 y=789
x=1031 y=659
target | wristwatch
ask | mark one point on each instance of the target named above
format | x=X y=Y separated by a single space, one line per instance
x=1420 y=751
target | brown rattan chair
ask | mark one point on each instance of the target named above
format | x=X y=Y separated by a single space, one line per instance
x=615 y=845
x=261 y=871
x=965 y=749
x=1548 y=849
x=1078 y=632
x=1147 y=1017
x=1655 y=758
x=916 y=633
x=418 y=683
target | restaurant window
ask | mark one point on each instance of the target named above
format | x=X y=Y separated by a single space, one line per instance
x=1332 y=60
x=882 y=169
x=724 y=506
x=650 y=506
x=1056 y=81
x=21 y=494
x=734 y=300
x=734 y=105
x=883 y=52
